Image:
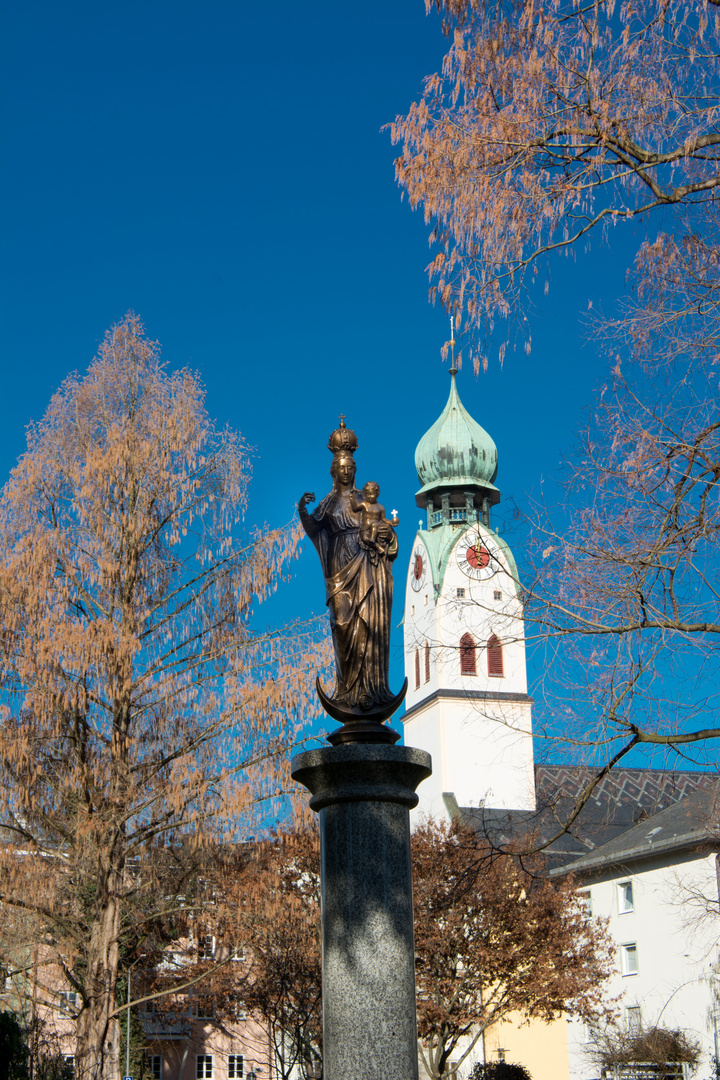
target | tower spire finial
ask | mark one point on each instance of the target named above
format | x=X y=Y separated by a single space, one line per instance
x=453 y=368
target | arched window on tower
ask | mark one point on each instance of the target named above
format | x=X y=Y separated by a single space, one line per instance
x=427 y=661
x=468 y=655
x=495 y=657
x=417 y=668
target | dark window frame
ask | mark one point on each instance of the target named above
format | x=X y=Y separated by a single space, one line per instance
x=468 y=655
x=495 y=661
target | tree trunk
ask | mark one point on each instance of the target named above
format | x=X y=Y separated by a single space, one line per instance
x=114 y=1051
x=96 y=1055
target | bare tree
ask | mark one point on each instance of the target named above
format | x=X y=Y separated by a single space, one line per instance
x=546 y=125
x=625 y=592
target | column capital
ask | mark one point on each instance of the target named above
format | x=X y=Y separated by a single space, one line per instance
x=363 y=772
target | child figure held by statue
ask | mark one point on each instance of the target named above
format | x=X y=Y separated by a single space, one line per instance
x=375 y=530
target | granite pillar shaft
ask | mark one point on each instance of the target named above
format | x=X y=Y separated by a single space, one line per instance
x=363 y=794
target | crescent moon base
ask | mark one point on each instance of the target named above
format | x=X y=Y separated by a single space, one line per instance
x=361 y=725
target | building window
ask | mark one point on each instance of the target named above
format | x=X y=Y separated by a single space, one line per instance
x=69 y=1066
x=204 y=1009
x=235 y=1066
x=68 y=1000
x=426 y=599
x=427 y=662
x=154 y=1063
x=239 y=954
x=460 y=593
x=204 y=1069
x=206 y=947
x=468 y=661
x=625 y=897
x=497 y=595
x=633 y=1020
x=495 y=657
x=417 y=668
x=585 y=899
x=629 y=958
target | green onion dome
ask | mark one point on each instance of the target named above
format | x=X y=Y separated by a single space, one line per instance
x=456 y=450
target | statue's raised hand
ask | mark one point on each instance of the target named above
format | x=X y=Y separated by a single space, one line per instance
x=308 y=497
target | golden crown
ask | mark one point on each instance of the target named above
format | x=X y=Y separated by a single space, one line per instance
x=343 y=439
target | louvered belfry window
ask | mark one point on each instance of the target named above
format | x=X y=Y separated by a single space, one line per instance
x=495 y=657
x=427 y=662
x=468 y=661
x=417 y=668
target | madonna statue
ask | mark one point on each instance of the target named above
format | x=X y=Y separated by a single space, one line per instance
x=357 y=546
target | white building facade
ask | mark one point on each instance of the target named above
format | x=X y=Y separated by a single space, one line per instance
x=657 y=885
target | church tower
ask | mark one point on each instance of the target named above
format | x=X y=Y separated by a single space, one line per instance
x=467 y=700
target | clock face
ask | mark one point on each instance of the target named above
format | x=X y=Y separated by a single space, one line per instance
x=418 y=569
x=474 y=557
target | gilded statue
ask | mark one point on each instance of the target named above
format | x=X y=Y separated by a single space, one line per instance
x=357 y=546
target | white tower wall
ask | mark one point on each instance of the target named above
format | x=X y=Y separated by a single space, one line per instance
x=478 y=728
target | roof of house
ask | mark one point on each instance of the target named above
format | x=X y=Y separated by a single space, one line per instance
x=624 y=801
x=692 y=822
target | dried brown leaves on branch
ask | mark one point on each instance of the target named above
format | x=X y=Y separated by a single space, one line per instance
x=491 y=944
x=140 y=707
x=264 y=919
x=549 y=122
x=653 y=1046
x=280 y=921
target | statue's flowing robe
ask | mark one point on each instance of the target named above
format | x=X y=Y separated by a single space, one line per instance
x=359 y=599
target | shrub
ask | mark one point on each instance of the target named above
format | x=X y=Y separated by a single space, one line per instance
x=499 y=1070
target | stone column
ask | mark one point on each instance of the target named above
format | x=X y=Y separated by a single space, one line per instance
x=364 y=793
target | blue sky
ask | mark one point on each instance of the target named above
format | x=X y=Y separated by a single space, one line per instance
x=221 y=170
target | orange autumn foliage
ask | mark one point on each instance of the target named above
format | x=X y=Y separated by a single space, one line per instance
x=548 y=123
x=494 y=937
x=279 y=922
x=140 y=705
x=260 y=903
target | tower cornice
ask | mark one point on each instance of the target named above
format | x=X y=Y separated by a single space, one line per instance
x=467 y=695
